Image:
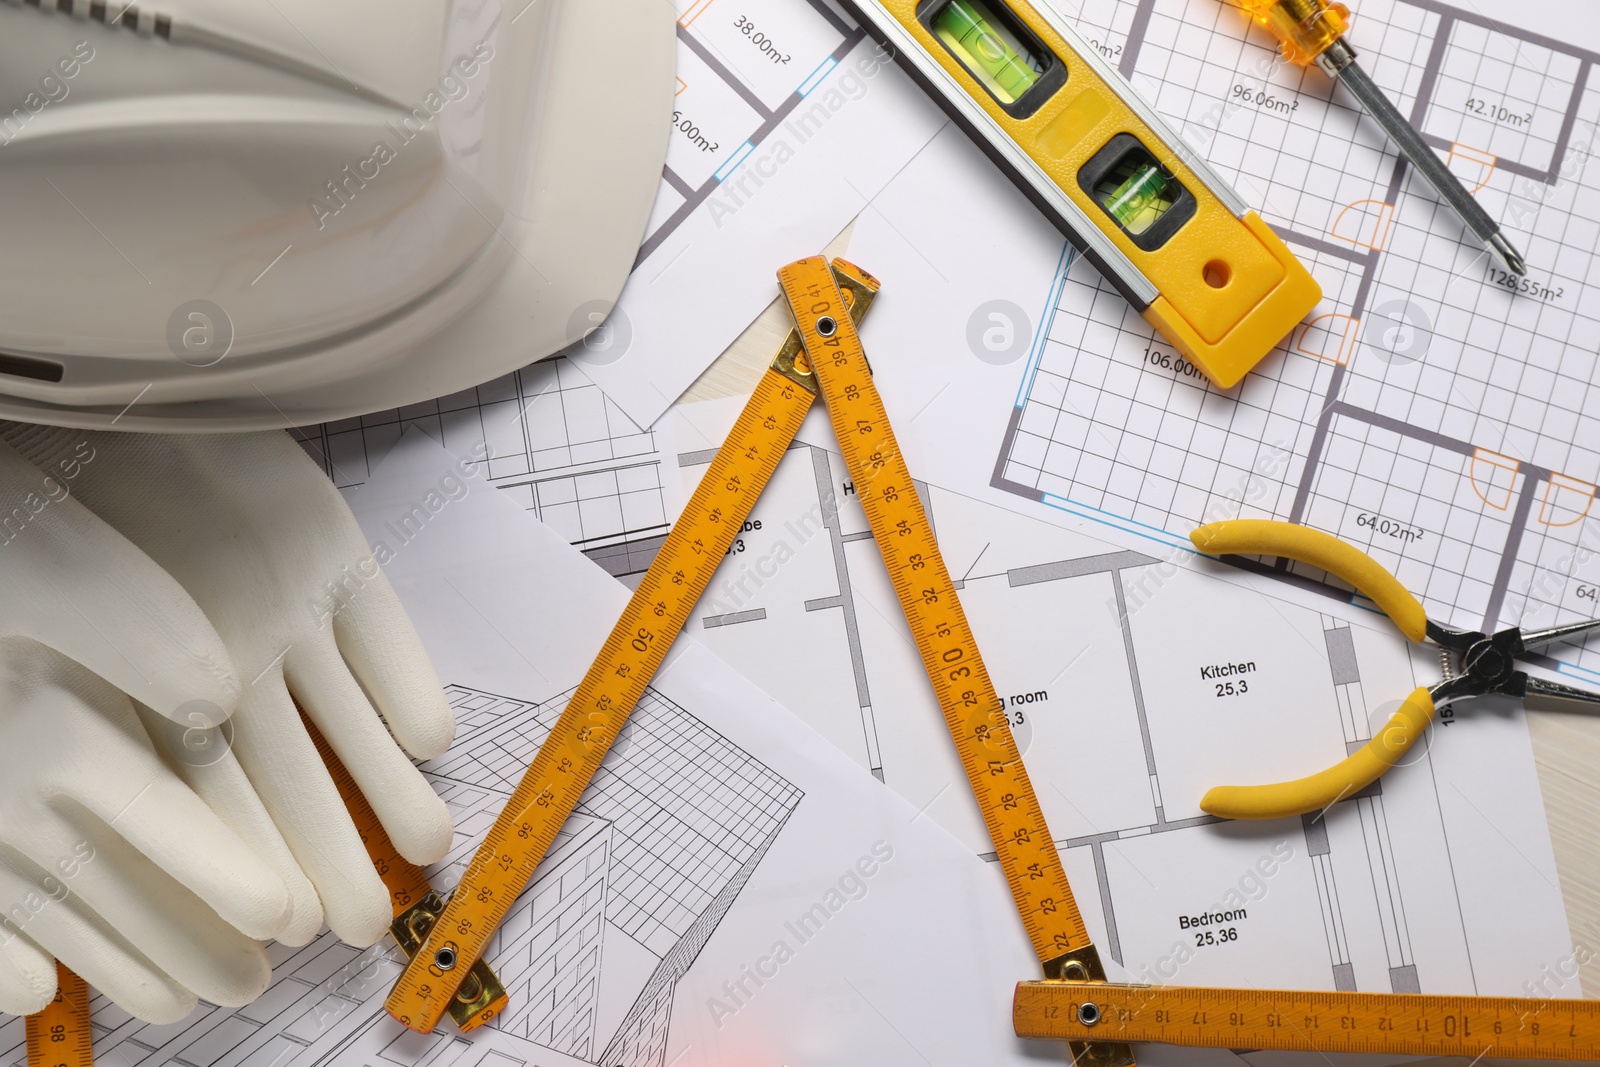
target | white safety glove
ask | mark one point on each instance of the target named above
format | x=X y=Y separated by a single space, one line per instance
x=268 y=548
x=107 y=860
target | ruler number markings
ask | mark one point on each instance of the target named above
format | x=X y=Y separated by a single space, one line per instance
x=922 y=583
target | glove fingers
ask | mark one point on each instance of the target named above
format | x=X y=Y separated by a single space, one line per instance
x=416 y=819
x=385 y=653
x=293 y=784
x=27 y=974
x=95 y=597
x=212 y=770
x=59 y=923
x=176 y=832
x=161 y=919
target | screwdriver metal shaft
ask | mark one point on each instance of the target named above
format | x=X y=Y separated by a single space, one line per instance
x=1339 y=61
x=1313 y=31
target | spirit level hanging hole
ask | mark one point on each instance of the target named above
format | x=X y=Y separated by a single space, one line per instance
x=445 y=958
x=1218 y=274
x=1088 y=1013
x=826 y=326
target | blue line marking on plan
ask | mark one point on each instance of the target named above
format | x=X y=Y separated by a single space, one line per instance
x=1094 y=514
x=733 y=162
x=822 y=71
x=1563 y=667
x=1046 y=318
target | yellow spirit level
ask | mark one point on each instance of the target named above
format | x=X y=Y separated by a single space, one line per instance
x=1172 y=236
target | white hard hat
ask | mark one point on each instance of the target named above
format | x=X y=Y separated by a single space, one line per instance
x=220 y=215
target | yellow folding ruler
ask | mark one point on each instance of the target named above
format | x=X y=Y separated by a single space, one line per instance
x=59 y=1035
x=480 y=997
x=822 y=354
x=1394 y=1023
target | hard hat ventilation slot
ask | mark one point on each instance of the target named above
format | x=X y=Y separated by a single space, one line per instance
x=40 y=370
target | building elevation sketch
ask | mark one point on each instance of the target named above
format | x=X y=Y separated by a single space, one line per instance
x=674 y=824
x=1096 y=650
x=1433 y=410
x=552 y=439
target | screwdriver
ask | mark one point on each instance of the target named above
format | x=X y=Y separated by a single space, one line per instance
x=1312 y=31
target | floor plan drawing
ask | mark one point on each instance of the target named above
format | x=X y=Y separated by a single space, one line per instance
x=1433 y=410
x=1095 y=649
x=743 y=69
x=787 y=121
x=554 y=441
x=805 y=866
x=666 y=836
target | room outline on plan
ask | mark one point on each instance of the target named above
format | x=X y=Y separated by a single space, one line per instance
x=805 y=566
x=1435 y=412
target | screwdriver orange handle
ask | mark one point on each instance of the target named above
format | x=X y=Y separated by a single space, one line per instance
x=1304 y=28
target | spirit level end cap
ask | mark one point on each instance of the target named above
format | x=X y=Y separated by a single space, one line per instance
x=1248 y=342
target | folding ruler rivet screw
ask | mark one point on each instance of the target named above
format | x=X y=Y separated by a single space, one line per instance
x=1088 y=1013
x=445 y=958
x=826 y=326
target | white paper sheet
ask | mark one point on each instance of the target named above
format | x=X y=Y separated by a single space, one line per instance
x=732 y=891
x=770 y=158
x=1133 y=685
x=1424 y=411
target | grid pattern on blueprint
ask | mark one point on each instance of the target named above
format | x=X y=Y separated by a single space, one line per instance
x=1105 y=426
x=552 y=940
x=1103 y=23
x=1501 y=95
x=1510 y=372
x=1434 y=516
x=600 y=507
x=553 y=440
x=315 y=987
x=1420 y=365
x=1299 y=150
x=689 y=807
x=1556 y=578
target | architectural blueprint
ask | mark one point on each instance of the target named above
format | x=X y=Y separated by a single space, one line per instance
x=1431 y=410
x=786 y=124
x=732 y=889
x=1129 y=684
x=635 y=874
x=552 y=440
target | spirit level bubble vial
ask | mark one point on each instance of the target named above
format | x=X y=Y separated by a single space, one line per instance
x=1166 y=230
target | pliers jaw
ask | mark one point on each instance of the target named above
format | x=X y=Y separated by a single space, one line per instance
x=1488 y=665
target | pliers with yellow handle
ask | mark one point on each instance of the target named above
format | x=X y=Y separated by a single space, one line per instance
x=1488 y=665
